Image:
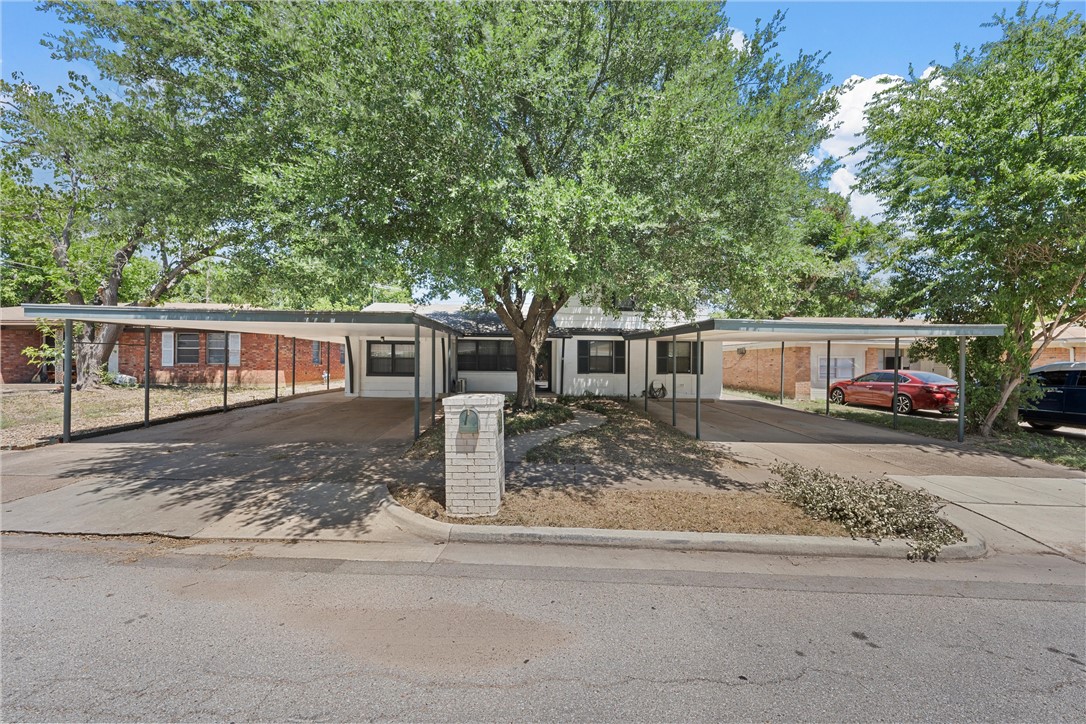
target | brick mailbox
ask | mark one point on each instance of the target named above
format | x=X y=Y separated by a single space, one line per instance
x=474 y=454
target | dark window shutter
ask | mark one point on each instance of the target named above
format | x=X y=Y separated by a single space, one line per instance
x=620 y=357
x=661 y=358
x=582 y=357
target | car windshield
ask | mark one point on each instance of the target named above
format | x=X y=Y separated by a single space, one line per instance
x=933 y=379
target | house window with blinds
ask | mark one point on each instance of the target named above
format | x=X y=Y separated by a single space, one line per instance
x=686 y=359
x=601 y=357
x=215 y=343
x=486 y=355
x=390 y=359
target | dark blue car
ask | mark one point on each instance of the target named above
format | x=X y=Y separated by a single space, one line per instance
x=1064 y=401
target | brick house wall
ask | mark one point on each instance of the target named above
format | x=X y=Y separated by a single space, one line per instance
x=257 y=361
x=14 y=366
x=759 y=370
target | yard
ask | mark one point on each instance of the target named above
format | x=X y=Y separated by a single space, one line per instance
x=33 y=414
x=1053 y=447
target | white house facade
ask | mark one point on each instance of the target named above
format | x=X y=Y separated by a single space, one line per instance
x=586 y=353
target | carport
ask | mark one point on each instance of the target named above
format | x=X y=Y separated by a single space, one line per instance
x=752 y=331
x=317 y=326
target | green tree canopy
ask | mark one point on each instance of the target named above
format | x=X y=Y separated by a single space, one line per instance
x=984 y=165
x=516 y=153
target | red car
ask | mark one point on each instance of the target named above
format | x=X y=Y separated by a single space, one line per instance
x=915 y=391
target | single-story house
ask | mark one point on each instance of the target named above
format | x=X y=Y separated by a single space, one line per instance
x=586 y=353
x=426 y=352
x=757 y=366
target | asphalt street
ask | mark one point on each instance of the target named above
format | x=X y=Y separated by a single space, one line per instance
x=125 y=629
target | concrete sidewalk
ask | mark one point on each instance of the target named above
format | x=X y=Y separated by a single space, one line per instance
x=317 y=468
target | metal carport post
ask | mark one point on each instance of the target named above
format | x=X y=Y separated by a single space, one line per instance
x=416 y=380
x=961 y=389
x=697 y=388
x=67 y=380
x=674 y=379
x=433 y=376
x=146 y=376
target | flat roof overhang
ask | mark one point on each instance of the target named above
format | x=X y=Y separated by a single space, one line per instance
x=735 y=331
x=319 y=326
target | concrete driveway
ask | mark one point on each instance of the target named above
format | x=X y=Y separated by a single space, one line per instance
x=308 y=467
x=1017 y=503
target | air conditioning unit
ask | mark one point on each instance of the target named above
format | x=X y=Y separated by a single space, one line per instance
x=460 y=385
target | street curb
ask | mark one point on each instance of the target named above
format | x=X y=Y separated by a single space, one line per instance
x=783 y=545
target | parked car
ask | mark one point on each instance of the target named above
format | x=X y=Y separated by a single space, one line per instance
x=1064 y=401
x=915 y=391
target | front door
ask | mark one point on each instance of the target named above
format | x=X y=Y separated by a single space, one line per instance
x=543 y=369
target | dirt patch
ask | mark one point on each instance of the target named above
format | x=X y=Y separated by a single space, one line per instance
x=431 y=443
x=672 y=510
x=32 y=417
x=629 y=438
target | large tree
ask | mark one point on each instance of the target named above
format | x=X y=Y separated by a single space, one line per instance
x=518 y=153
x=983 y=162
x=124 y=197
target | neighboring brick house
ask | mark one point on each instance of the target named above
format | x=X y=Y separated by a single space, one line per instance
x=185 y=356
x=757 y=367
x=16 y=334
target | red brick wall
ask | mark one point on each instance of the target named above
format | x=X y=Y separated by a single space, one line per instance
x=257 y=361
x=759 y=370
x=14 y=367
x=872 y=360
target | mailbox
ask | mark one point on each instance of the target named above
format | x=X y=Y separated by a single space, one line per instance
x=469 y=421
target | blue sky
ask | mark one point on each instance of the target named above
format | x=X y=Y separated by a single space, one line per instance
x=865 y=39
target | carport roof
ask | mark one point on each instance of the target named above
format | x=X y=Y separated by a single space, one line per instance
x=791 y=330
x=322 y=326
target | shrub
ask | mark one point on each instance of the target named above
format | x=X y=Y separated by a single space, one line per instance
x=875 y=510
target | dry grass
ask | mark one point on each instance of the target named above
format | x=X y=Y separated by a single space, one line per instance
x=629 y=438
x=34 y=415
x=670 y=510
x=431 y=443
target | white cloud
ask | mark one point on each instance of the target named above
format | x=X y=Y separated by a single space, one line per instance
x=849 y=126
x=737 y=40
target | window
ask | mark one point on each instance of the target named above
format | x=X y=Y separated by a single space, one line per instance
x=390 y=359
x=682 y=358
x=891 y=360
x=341 y=353
x=215 y=343
x=188 y=348
x=601 y=357
x=486 y=355
x=316 y=353
x=841 y=368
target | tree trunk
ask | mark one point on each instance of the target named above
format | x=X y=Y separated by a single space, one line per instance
x=94 y=345
x=993 y=414
x=529 y=330
x=526 y=361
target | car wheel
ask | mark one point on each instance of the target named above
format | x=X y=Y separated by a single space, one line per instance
x=1041 y=425
x=837 y=396
x=904 y=405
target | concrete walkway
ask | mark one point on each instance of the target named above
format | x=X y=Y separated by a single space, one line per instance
x=518 y=446
x=317 y=468
x=312 y=467
x=1019 y=505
